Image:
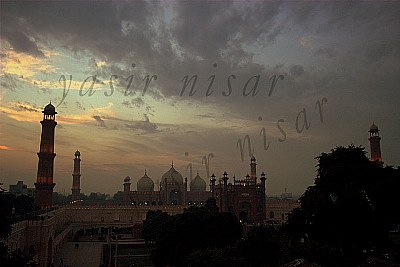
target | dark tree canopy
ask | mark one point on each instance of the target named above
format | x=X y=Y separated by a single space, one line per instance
x=351 y=207
x=11 y=208
x=153 y=224
x=262 y=247
x=198 y=229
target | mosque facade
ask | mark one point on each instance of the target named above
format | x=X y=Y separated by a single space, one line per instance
x=245 y=198
x=174 y=190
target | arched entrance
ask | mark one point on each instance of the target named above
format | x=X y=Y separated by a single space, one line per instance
x=175 y=197
x=244 y=211
x=243 y=216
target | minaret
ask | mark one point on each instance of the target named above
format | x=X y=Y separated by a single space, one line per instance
x=44 y=182
x=224 y=195
x=127 y=190
x=212 y=185
x=253 y=167
x=375 y=142
x=261 y=212
x=127 y=185
x=76 y=177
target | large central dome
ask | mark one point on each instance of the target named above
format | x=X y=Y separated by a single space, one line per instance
x=172 y=176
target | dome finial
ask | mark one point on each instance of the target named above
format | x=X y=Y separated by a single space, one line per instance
x=145 y=172
x=172 y=164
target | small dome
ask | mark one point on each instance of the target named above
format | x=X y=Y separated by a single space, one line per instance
x=127 y=179
x=253 y=159
x=145 y=183
x=197 y=184
x=172 y=176
x=49 y=110
x=77 y=154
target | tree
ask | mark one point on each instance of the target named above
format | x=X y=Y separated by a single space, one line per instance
x=97 y=196
x=60 y=199
x=198 y=229
x=153 y=224
x=119 y=197
x=261 y=247
x=10 y=208
x=346 y=214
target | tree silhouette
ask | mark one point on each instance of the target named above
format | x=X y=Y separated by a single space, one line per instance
x=193 y=233
x=345 y=216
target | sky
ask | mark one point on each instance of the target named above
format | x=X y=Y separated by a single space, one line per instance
x=206 y=85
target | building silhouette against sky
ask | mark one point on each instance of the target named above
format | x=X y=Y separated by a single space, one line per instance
x=375 y=143
x=44 y=182
x=76 y=177
x=244 y=198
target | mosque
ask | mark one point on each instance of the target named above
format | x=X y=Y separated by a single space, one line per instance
x=244 y=198
x=173 y=190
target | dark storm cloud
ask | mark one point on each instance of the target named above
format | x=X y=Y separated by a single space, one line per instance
x=85 y=25
x=171 y=40
x=382 y=48
x=16 y=36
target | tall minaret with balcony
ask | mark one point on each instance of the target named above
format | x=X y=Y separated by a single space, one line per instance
x=375 y=143
x=253 y=169
x=44 y=182
x=76 y=177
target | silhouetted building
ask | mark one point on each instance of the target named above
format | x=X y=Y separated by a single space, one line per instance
x=375 y=143
x=173 y=190
x=76 y=177
x=244 y=198
x=21 y=189
x=44 y=183
x=278 y=209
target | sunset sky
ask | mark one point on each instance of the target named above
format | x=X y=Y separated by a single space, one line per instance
x=344 y=55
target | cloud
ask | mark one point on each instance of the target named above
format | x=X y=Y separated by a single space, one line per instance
x=137 y=102
x=143 y=126
x=352 y=51
x=19 y=40
x=6 y=148
x=99 y=120
x=21 y=111
x=296 y=70
x=79 y=105
x=9 y=82
x=329 y=52
x=25 y=65
x=307 y=41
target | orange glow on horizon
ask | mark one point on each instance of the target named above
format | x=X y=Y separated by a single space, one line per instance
x=6 y=148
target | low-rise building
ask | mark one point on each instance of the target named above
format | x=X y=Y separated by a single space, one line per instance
x=21 y=189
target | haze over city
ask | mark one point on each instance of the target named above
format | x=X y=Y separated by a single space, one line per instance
x=344 y=56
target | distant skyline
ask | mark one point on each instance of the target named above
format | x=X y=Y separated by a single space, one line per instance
x=343 y=54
